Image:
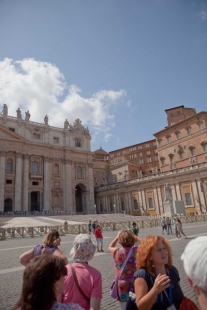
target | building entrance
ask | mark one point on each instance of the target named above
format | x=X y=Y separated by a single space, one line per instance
x=78 y=199
x=35 y=201
x=8 y=205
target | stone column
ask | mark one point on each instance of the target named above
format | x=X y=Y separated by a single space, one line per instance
x=144 y=201
x=160 y=202
x=2 y=179
x=130 y=203
x=46 y=193
x=18 y=183
x=90 y=187
x=68 y=187
x=25 y=182
x=156 y=201
x=178 y=194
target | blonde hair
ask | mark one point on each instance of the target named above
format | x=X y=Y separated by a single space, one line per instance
x=51 y=237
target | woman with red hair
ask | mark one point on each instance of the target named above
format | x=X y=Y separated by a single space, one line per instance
x=156 y=280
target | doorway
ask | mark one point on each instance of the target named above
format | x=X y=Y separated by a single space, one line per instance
x=35 y=201
x=8 y=205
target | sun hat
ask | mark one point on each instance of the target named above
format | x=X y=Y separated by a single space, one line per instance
x=194 y=260
x=83 y=248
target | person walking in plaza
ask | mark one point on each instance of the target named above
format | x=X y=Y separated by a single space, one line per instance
x=194 y=260
x=94 y=226
x=99 y=238
x=83 y=283
x=43 y=282
x=89 y=227
x=134 y=228
x=180 y=228
x=156 y=279
x=164 y=225
x=169 y=226
x=127 y=239
x=50 y=245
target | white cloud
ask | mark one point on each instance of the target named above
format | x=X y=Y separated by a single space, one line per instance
x=203 y=14
x=41 y=88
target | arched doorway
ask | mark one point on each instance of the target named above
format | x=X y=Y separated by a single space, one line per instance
x=35 y=201
x=8 y=205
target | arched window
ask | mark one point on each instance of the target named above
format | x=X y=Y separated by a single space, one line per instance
x=56 y=169
x=35 y=167
x=9 y=166
x=79 y=173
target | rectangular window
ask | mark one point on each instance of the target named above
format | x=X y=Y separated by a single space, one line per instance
x=148 y=152
x=162 y=161
x=78 y=142
x=168 y=139
x=56 y=140
x=147 y=145
x=150 y=203
x=156 y=158
x=192 y=151
x=188 y=131
x=141 y=160
x=8 y=181
x=35 y=183
x=149 y=159
x=111 y=207
x=160 y=142
x=154 y=143
x=9 y=168
x=188 y=199
x=181 y=155
x=135 y=205
x=139 y=147
x=200 y=126
x=12 y=129
x=204 y=146
x=36 y=136
x=177 y=135
x=122 y=206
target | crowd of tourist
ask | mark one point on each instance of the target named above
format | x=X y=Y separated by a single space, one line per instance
x=145 y=274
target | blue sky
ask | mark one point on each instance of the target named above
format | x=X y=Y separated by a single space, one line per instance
x=115 y=64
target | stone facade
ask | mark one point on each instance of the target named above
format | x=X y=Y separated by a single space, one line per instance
x=181 y=162
x=44 y=167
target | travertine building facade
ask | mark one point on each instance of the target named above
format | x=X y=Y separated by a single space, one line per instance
x=44 y=167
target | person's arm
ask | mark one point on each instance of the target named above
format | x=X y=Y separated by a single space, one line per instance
x=59 y=253
x=25 y=258
x=138 y=239
x=112 y=245
x=145 y=299
x=95 y=303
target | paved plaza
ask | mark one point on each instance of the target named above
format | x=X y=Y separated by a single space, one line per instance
x=11 y=270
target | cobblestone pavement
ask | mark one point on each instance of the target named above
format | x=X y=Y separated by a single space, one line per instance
x=11 y=270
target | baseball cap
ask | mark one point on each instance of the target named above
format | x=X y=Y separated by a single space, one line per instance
x=194 y=260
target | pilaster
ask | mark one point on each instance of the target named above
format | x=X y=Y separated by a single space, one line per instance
x=25 y=182
x=46 y=193
x=2 y=179
x=18 y=183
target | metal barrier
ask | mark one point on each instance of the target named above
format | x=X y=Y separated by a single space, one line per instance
x=37 y=231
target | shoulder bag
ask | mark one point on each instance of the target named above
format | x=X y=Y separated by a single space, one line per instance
x=114 y=286
x=78 y=286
